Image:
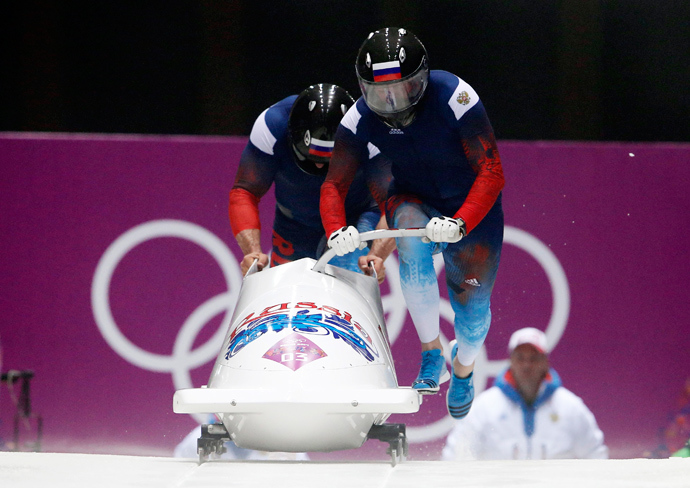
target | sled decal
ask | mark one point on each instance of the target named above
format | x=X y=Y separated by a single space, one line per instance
x=309 y=319
x=294 y=351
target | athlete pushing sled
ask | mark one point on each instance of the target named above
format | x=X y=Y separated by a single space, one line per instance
x=447 y=177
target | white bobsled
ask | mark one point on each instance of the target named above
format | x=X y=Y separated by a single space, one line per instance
x=305 y=365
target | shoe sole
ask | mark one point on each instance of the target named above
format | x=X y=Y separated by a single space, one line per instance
x=445 y=377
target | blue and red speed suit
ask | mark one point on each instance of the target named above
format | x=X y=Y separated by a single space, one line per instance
x=445 y=163
x=297 y=230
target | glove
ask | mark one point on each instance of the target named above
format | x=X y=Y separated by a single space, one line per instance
x=445 y=229
x=345 y=240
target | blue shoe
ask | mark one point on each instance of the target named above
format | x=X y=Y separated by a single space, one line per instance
x=432 y=374
x=461 y=391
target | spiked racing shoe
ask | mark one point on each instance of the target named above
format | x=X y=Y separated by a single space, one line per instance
x=432 y=374
x=460 y=392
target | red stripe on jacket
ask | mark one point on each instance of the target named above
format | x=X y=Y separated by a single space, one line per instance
x=482 y=153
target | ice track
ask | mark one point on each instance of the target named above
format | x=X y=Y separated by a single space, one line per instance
x=43 y=470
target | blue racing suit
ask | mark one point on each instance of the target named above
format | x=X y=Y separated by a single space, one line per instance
x=445 y=163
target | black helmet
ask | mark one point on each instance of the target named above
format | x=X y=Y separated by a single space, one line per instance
x=314 y=118
x=393 y=72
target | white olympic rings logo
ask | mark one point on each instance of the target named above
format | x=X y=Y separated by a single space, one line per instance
x=184 y=359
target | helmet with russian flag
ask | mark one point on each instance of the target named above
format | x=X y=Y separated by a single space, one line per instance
x=393 y=72
x=314 y=118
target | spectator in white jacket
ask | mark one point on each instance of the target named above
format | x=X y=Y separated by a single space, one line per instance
x=527 y=414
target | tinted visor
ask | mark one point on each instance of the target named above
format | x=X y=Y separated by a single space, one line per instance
x=389 y=97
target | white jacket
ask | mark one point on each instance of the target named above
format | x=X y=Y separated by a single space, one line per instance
x=498 y=424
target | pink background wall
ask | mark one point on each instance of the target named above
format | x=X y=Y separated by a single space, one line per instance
x=613 y=215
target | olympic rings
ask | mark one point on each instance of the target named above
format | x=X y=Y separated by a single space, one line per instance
x=183 y=359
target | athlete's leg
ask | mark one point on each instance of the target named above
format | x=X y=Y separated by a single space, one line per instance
x=471 y=266
x=418 y=278
x=419 y=285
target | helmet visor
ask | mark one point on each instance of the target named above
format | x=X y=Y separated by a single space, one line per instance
x=389 y=97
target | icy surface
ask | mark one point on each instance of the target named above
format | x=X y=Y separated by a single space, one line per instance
x=40 y=470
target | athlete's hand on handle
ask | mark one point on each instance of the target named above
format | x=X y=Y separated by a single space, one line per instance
x=445 y=229
x=345 y=240
x=248 y=260
x=370 y=264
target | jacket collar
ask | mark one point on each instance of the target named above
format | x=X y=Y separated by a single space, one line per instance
x=506 y=383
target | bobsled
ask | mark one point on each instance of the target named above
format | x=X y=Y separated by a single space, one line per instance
x=306 y=364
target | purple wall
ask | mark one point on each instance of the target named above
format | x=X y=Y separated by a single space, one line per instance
x=614 y=216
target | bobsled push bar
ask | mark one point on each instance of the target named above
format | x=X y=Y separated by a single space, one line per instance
x=368 y=236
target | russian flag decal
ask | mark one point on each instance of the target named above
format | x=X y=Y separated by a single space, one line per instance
x=386 y=71
x=321 y=148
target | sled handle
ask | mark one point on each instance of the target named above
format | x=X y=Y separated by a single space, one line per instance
x=370 y=236
x=254 y=268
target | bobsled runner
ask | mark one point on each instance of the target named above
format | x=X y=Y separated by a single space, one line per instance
x=305 y=366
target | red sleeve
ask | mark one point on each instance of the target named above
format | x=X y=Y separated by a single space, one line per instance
x=243 y=210
x=341 y=172
x=332 y=208
x=482 y=153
